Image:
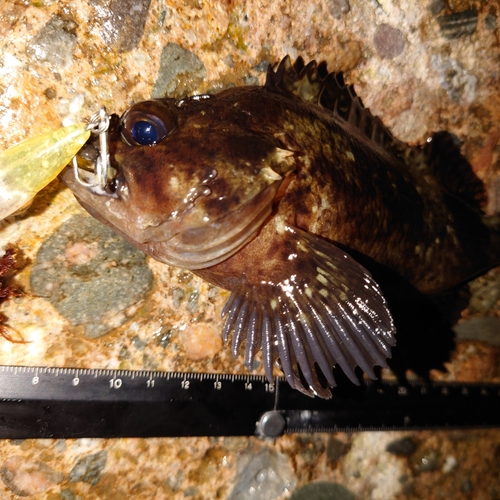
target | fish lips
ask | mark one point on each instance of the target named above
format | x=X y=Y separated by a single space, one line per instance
x=186 y=241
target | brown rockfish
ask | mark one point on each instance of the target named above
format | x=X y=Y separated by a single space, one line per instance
x=284 y=194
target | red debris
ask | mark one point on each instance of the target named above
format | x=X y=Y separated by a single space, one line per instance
x=6 y=292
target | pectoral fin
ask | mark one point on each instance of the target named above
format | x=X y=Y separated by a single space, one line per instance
x=320 y=308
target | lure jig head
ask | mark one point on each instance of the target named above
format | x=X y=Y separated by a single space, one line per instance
x=98 y=125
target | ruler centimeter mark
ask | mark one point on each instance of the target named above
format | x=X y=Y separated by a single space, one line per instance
x=85 y=402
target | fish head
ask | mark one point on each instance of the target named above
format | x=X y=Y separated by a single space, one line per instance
x=191 y=182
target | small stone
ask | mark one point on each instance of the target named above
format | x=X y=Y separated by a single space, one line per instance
x=337 y=8
x=458 y=24
x=262 y=66
x=25 y=478
x=138 y=343
x=50 y=93
x=67 y=495
x=251 y=80
x=90 y=275
x=322 y=491
x=389 y=42
x=54 y=44
x=436 y=7
x=178 y=295
x=123 y=28
x=89 y=468
x=192 y=304
x=335 y=449
x=200 y=341
x=427 y=461
x=180 y=71
x=486 y=329
x=449 y=464
x=405 y=446
x=266 y=474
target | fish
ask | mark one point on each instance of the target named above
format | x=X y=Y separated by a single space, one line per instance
x=293 y=196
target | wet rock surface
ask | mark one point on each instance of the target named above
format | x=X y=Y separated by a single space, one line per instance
x=60 y=61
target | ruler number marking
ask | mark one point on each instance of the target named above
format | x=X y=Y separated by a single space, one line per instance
x=115 y=383
x=185 y=384
x=35 y=380
x=217 y=385
x=150 y=383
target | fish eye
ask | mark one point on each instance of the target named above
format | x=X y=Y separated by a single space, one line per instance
x=147 y=123
x=146 y=133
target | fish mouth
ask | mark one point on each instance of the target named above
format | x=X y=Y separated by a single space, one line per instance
x=186 y=241
x=208 y=245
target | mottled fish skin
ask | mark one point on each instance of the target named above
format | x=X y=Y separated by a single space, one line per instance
x=266 y=190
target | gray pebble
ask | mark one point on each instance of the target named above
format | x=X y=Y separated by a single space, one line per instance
x=251 y=80
x=436 y=6
x=96 y=291
x=262 y=66
x=192 y=304
x=486 y=329
x=264 y=476
x=88 y=469
x=138 y=343
x=180 y=71
x=67 y=495
x=405 y=446
x=177 y=296
x=54 y=43
x=322 y=491
x=338 y=7
x=123 y=27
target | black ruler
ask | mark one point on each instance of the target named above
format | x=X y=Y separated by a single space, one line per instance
x=43 y=402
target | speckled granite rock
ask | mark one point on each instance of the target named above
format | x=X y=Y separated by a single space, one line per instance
x=415 y=64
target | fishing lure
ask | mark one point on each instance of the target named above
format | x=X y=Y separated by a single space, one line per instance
x=27 y=167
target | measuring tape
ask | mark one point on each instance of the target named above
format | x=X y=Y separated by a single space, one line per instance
x=43 y=402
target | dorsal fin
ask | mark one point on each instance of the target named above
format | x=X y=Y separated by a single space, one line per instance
x=313 y=83
x=304 y=81
x=440 y=155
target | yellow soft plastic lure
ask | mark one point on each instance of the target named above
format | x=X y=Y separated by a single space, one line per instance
x=29 y=166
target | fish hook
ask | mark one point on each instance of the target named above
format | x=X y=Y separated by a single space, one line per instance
x=98 y=125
